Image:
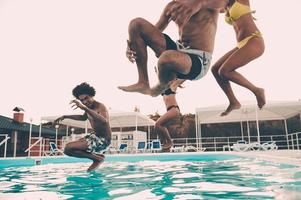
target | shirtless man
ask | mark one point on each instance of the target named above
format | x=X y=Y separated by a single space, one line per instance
x=97 y=114
x=188 y=58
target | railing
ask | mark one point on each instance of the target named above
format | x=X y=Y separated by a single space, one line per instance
x=290 y=142
x=4 y=141
x=34 y=144
x=295 y=140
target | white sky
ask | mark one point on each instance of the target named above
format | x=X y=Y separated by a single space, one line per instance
x=47 y=47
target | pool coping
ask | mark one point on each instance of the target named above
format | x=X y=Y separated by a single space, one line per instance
x=292 y=157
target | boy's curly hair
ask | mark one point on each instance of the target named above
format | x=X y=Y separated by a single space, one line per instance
x=83 y=88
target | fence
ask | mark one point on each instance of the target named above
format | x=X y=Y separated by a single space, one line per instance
x=4 y=141
x=291 y=142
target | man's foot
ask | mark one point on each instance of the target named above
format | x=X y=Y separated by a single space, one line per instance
x=260 y=97
x=138 y=87
x=96 y=163
x=157 y=90
x=230 y=108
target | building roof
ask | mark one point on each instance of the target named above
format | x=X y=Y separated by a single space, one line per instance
x=8 y=124
x=117 y=119
x=249 y=112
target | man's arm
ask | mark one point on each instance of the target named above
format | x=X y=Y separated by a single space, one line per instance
x=164 y=18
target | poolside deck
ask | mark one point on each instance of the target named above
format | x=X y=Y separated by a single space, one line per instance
x=280 y=156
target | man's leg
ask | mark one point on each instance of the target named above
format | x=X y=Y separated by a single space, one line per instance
x=170 y=63
x=79 y=149
x=143 y=34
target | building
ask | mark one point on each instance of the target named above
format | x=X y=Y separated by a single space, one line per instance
x=15 y=134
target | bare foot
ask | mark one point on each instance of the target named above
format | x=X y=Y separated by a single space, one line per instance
x=157 y=90
x=96 y=163
x=230 y=108
x=138 y=87
x=260 y=97
x=167 y=145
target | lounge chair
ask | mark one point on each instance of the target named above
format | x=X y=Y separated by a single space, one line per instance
x=141 y=147
x=177 y=149
x=54 y=150
x=190 y=148
x=156 y=146
x=240 y=146
x=122 y=148
x=268 y=146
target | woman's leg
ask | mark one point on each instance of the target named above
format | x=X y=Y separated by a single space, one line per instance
x=252 y=50
x=225 y=84
x=162 y=130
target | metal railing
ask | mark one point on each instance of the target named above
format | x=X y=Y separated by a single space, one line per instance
x=291 y=142
x=39 y=140
x=4 y=141
x=295 y=140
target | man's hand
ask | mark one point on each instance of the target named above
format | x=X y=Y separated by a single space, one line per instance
x=182 y=11
x=76 y=104
x=130 y=54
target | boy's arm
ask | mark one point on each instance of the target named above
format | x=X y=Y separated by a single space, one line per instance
x=75 y=117
x=101 y=114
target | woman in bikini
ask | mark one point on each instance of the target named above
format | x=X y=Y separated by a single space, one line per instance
x=173 y=111
x=250 y=46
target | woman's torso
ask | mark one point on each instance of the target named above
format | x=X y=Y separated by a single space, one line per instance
x=239 y=15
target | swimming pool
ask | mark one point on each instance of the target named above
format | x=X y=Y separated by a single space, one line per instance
x=156 y=176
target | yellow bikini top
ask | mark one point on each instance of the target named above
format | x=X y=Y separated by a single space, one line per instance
x=236 y=11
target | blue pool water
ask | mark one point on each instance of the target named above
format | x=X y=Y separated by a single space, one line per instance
x=158 y=176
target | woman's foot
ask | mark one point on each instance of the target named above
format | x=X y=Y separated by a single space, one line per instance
x=167 y=145
x=232 y=106
x=96 y=163
x=260 y=97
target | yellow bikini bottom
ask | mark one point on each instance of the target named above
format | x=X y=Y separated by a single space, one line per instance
x=243 y=42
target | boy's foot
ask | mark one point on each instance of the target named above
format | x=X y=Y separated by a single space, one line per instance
x=96 y=163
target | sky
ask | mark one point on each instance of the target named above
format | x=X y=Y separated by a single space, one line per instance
x=49 y=47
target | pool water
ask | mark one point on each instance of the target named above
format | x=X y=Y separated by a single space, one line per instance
x=170 y=176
